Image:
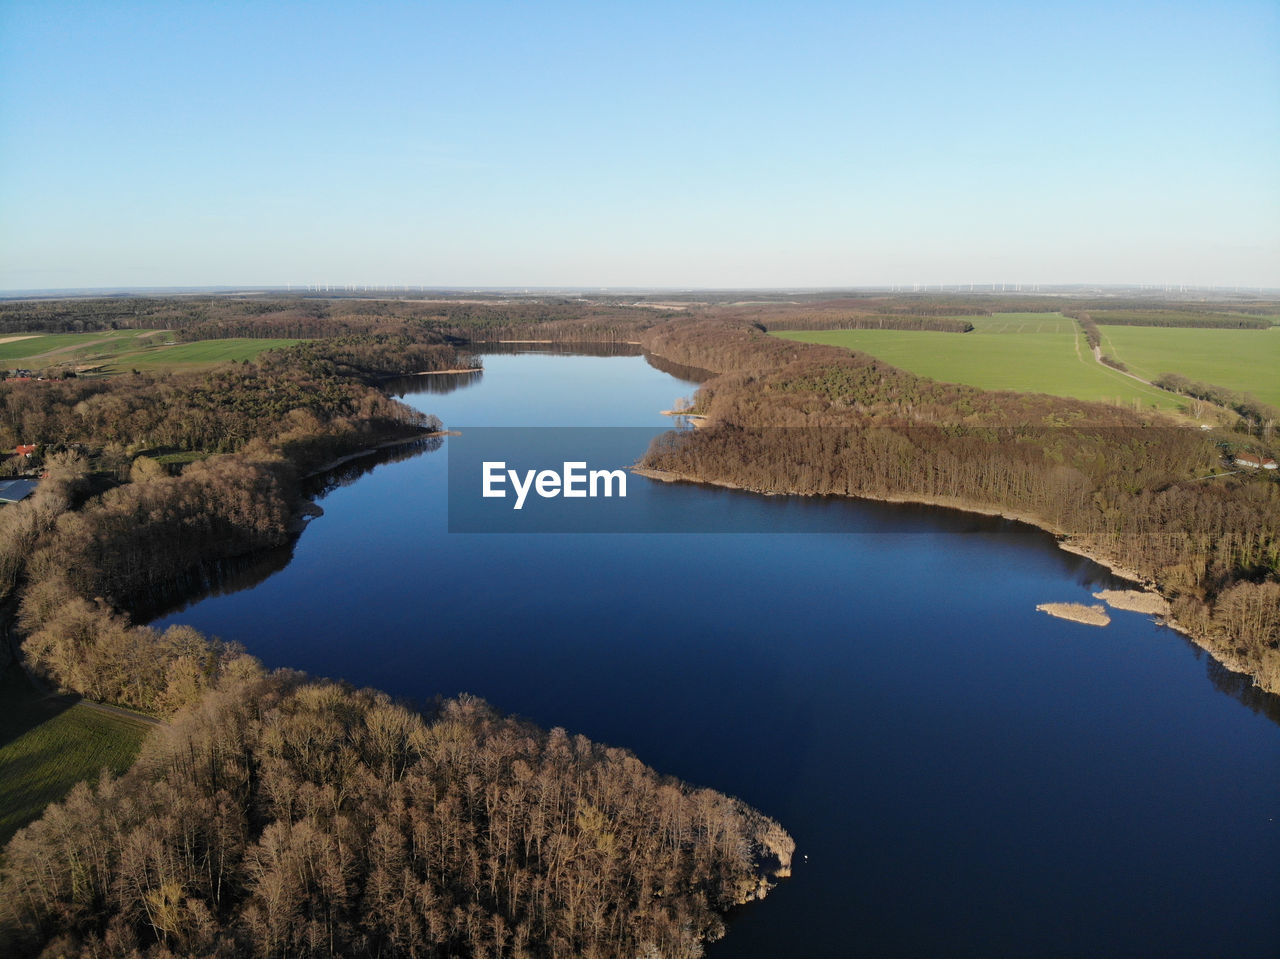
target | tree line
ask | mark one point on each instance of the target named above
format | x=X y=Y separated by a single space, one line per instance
x=292 y=396
x=869 y=321
x=1261 y=417
x=299 y=317
x=1185 y=319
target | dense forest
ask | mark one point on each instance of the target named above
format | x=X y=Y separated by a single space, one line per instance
x=283 y=817
x=274 y=815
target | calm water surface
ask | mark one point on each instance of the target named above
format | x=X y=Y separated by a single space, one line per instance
x=966 y=776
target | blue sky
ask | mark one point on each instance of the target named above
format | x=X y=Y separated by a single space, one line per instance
x=647 y=144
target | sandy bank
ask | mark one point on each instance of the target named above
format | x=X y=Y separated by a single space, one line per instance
x=1115 y=566
x=1077 y=612
x=697 y=419
x=1134 y=600
x=475 y=369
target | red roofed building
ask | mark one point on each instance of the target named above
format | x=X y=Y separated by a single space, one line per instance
x=25 y=450
x=1255 y=461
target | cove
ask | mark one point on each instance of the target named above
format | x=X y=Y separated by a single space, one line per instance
x=967 y=776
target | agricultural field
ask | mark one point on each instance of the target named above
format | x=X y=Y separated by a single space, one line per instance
x=1026 y=352
x=18 y=349
x=117 y=351
x=1022 y=323
x=199 y=354
x=1243 y=360
x=48 y=744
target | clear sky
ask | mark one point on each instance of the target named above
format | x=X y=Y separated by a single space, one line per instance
x=638 y=144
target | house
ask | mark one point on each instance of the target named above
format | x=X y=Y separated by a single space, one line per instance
x=15 y=491
x=25 y=450
x=1255 y=461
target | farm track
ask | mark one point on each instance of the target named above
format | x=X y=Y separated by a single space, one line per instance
x=119 y=713
x=69 y=349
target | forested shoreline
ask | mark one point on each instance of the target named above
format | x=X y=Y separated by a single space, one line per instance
x=281 y=815
x=1125 y=488
x=274 y=814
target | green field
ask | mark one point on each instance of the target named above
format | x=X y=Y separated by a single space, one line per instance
x=48 y=744
x=116 y=351
x=1021 y=323
x=199 y=354
x=17 y=348
x=1026 y=352
x=1243 y=360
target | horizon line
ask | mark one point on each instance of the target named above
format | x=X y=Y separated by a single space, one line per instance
x=419 y=289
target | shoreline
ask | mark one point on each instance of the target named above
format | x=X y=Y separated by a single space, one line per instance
x=1145 y=584
x=1227 y=657
x=696 y=420
x=476 y=369
x=365 y=451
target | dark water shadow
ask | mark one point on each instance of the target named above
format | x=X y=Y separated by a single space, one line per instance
x=232 y=575
x=616 y=348
x=680 y=371
x=1238 y=686
x=322 y=484
x=214 y=578
x=399 y=386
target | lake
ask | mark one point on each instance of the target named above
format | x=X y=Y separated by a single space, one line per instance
x=963 y=775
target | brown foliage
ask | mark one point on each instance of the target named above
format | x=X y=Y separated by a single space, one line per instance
x=277 y=817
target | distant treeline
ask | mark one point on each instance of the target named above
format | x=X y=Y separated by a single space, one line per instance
x=1175 y=318
x=221 y=317
x=373 y=356
x=874 y=321
x=602 y=318
x=790 y=417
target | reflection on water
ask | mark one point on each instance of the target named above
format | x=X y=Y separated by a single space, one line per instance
x=400 y=386
x=513 y=348
x=680 y=371
x=231 y=575
x=1240 y=687
x=344 y=474
x=215 y=578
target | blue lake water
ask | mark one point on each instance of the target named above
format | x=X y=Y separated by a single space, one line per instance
x=966 y=776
